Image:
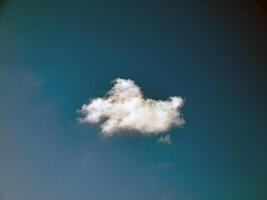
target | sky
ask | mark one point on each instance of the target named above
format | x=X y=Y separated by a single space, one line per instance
x=56 y=55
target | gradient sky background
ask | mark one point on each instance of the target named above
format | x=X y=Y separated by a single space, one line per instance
x=56 y=54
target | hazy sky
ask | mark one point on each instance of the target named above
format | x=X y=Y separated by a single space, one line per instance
x=57 y=54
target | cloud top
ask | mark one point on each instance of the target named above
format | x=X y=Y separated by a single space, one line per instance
x=124 y=108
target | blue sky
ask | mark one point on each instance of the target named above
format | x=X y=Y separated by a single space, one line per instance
x=55 y=55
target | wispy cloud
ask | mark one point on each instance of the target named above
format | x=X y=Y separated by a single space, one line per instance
x=165 y=165
x=124 y=108
x=165 y=139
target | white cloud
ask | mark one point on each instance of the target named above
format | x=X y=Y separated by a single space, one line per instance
x=124 y=108
x=165 y=139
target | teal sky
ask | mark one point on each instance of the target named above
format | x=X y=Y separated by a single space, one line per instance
x=55 y=55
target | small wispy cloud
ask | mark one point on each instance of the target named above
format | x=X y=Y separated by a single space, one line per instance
x=165 y=139
x=165 y=165
x=124 y=108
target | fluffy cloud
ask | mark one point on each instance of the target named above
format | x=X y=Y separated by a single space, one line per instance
x=165 y=139
x=124 y=108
